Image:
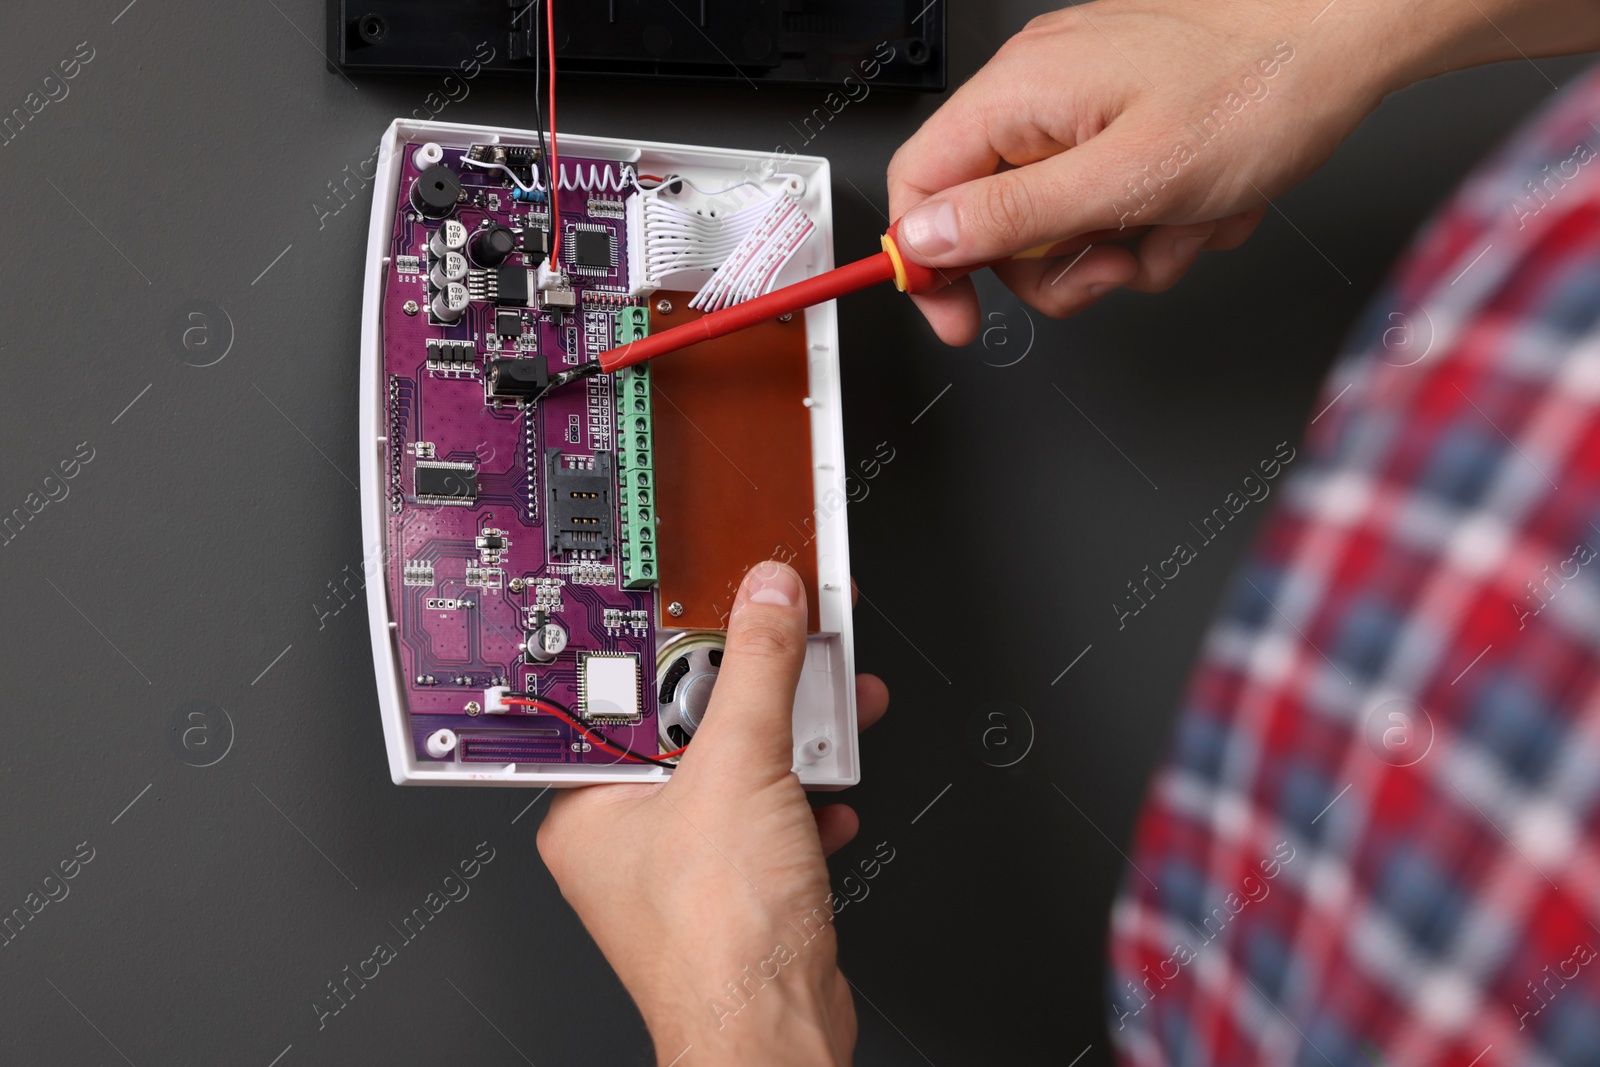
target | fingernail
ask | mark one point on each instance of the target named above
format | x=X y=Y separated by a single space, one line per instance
x=929 y=230
x=1099 y=289
x=1186 y=248
x=772 y=583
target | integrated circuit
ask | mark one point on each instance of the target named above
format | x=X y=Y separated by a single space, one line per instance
x=446 y=483
x=451 y=357
x=608 y=686
x=581 y=512
x=593 y=249
x=535 y=241
x=516 y=159
x=511 y=286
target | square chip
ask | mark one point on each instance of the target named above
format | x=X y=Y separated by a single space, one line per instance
x=592 y=248
x=609 y=684
x=535 y=242
x=508 y=324
x=446 y=483
x=511 y=286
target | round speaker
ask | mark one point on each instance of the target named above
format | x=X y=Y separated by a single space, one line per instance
x=687 y=667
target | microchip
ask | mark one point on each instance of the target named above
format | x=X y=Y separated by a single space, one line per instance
x=508 y=324
x=592 y=248
x=581 y=514
x=535 y=242
x=511 y=286
x=446 y=483
x=446 y=354
x=609 y=686
x=521 y=155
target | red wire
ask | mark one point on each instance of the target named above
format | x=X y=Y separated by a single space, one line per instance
x=555 y=260
x=555 y=155
x=570 y=721
x=576 y=725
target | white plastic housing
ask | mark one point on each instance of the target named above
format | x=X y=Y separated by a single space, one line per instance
x=825 y=699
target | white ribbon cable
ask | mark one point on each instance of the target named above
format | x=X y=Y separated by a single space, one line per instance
x=753 y=266
x=679 y=240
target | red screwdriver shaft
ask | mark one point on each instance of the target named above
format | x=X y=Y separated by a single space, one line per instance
x=850 y=278
x=887 y=266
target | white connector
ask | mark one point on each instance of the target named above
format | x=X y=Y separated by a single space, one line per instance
x=494 y=700
x=550 y=278
x=640 y=280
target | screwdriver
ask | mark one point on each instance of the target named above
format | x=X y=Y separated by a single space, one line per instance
x=888 y=265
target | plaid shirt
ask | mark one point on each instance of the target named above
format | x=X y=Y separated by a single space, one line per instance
x=1376 y=837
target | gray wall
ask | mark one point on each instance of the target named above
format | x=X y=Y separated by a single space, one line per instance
x=190 y=557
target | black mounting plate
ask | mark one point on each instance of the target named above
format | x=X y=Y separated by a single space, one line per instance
x=892 y=44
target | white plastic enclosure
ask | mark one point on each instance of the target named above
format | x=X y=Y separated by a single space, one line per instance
x=826 y=752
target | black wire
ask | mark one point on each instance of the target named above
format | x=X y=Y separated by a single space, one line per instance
x=550 y=178
x=538 y=108
x=587 y=727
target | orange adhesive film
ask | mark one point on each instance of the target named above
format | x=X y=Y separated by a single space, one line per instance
x=732 y=464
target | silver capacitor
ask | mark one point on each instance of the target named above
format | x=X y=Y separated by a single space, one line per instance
x=450 y=267
x=451 y=236
x=545 y=643
x=450 y=302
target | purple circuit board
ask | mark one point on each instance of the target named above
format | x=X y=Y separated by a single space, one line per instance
x=472 y=571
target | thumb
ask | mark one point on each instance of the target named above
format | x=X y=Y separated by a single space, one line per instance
x=749 y=720
x=1000 y=215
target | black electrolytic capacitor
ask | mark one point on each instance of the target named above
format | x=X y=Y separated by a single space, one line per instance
x=491 y=245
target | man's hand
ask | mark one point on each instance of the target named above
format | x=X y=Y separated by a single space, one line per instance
x=685 y=885
x=1171 y=115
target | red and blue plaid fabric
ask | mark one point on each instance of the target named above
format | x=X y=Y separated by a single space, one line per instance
x=1376 y=837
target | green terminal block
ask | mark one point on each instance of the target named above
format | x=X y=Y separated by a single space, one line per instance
x=635 y=459
x=632 y=324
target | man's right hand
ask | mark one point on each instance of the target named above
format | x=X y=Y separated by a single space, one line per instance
x=1170 y=115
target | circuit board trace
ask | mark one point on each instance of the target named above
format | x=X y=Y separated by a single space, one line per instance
x=506 y=529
